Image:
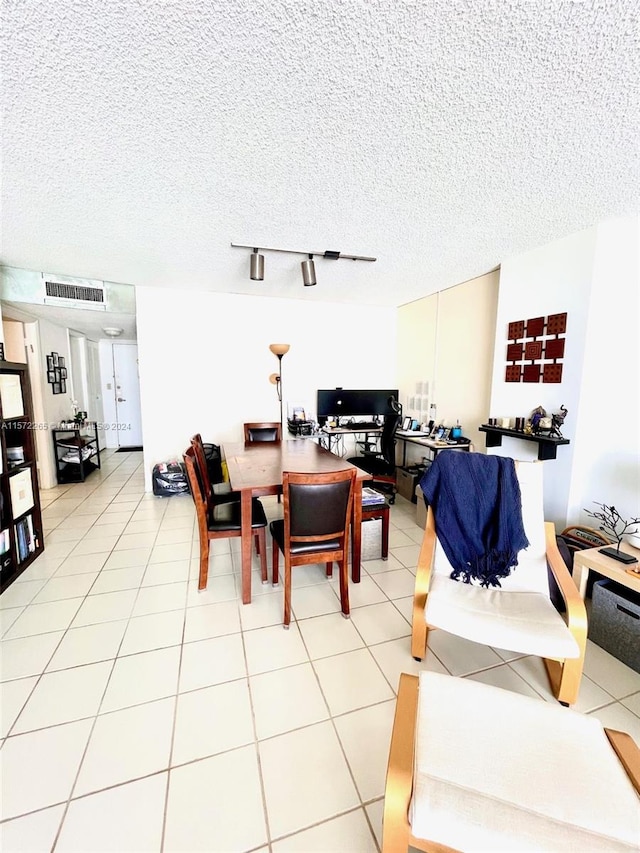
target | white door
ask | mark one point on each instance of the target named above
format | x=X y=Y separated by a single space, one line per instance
x=127 y=394
x=94 y=388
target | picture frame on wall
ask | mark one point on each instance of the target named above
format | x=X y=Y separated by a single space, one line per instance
x=50 y=364
x=61 y=362
x=56 y=388
x=1 y=351
x=51 y=377
x=63 y=373
x=63 y=386
x=56 y=374
x=54 y=356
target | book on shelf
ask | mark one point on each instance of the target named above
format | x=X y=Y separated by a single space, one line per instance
x=26 y=542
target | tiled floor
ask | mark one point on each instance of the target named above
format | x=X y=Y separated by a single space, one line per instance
x=141 y=715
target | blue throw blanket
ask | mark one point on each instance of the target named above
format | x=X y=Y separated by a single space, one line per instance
x=478 y=513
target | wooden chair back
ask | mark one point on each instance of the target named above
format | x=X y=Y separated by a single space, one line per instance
x=262 y=431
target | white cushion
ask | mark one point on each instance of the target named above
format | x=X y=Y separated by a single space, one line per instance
x=525 y=622
x=498 y=771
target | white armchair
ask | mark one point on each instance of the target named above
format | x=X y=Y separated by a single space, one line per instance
x=519 y=615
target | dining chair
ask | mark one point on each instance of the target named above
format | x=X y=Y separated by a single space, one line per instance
x=476 y=767
x=518 y=614
x=221 y=520
x=265 y=431
x=315 y=528
x=219 y=491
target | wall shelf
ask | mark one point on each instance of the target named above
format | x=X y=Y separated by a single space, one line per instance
x=547 y=445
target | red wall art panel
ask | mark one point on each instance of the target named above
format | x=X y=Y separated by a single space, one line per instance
x=535 y=349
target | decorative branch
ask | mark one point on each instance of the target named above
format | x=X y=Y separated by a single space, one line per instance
x=610 y=519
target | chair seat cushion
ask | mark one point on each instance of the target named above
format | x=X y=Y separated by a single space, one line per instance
x=277 y=531
x=226 y=516
x=525 y=622
x=498 y=771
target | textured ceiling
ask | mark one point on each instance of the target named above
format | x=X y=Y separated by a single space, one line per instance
x=140 y=139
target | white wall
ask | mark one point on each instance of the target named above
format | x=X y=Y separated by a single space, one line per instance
x=593 y=276
x=204 y=361
x=606 y=465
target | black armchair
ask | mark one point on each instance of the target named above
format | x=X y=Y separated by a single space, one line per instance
x=381 y=465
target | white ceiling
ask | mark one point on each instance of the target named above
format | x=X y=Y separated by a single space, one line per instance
x=441 y=136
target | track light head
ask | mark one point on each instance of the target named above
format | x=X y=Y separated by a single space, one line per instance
x=308 y=272
x=257 y=266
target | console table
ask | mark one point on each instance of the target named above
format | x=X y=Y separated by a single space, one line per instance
x=593 y=560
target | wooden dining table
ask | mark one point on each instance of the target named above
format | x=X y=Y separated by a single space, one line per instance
x=256 y=469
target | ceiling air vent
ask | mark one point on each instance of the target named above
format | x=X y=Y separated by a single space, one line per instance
x=74 y=295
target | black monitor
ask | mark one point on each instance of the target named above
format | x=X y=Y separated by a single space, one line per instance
x=342 y=402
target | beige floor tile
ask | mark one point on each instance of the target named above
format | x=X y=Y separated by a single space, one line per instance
x=264 y=610
x=27 y=655
x=614 y=676
x=351 y=680
x=48 y=759
x=157 y=599
x=397 y=584
x=209 y=662
x=155 y=631
x=348 y=832
x=89 y=644
x=83 y=564
x=21 y=594
x=460 y=656
x=107 y=607
x=617 y=716
x=64 y=696
x=126 y=745
x=170 y=553
x=32 y=832
x=407 y=555
x=116 y=580
x=394 y=657
x=286 y=699
x=98 y=545
x=218 y=589
x=142 y=678
x=315 y=600
x=90 y=826
x=41 y=618
x=225 y=793
x=274 y=648
x=66 y=586
x=160 y=573
x=365 y=592
x=378 y=623
x=314 y=765
x=365 y=736
x=13 y=697
x=329 y=635
x=212 y=720
x=128 y=559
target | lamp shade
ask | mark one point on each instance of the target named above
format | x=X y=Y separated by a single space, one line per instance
x=279 y=349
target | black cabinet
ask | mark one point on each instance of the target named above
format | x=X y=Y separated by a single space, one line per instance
x=21 y=537
x=77 y=452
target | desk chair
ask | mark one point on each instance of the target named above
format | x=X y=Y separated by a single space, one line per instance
x=382 y=465
x=476 y=767
x=266 y=431
x=518 y=615
x=315 y=528
x=221 y=520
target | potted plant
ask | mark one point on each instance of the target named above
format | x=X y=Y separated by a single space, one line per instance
x=614 y=525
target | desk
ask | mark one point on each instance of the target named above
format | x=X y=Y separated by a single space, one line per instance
x=593 y=560
x=429 y=443
x=334 y=434
x=256 y=469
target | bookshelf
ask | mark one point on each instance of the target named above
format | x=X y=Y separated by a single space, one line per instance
x=21 y=536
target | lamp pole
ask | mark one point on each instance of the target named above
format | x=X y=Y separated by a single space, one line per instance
x=279 y=350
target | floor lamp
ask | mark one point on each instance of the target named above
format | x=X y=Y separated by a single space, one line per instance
x=276 y=378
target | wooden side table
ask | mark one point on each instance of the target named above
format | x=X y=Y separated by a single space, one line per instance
x=593 y=560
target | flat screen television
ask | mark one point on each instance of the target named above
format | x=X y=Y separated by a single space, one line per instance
x=342 y=402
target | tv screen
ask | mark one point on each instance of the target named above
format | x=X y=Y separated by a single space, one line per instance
x=349 y=403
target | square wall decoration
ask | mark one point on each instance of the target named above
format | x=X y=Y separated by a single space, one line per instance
x=535 y=349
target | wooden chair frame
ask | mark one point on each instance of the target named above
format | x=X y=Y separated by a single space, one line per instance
x=339 y=555
x=564 y=675
x=204 y=509
x=396 y=829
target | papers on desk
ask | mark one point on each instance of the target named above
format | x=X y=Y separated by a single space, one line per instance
x=371 y=497
x=411 y=433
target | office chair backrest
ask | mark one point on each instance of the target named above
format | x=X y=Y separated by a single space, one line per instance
x=318 y=505
x=388 y=440
x=267 y=431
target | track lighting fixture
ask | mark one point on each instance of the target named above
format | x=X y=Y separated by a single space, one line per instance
x=308 y=272
x=308 y=266
x=257 y=266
